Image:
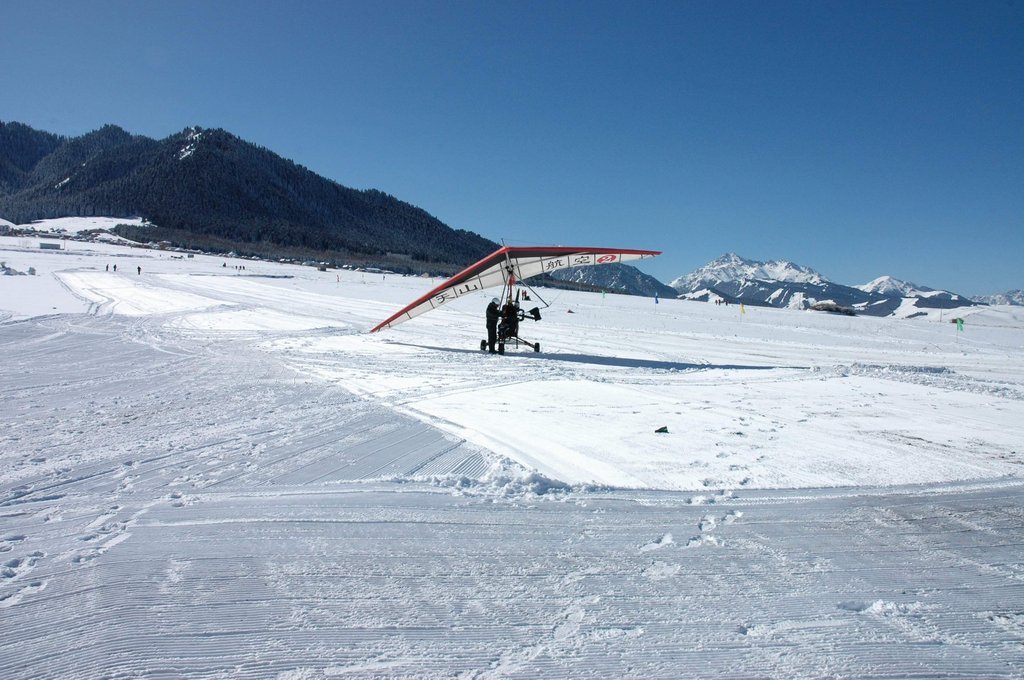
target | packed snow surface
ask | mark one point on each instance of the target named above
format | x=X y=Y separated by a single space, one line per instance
x=211 y=469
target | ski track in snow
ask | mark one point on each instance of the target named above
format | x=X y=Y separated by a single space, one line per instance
x=213 y=475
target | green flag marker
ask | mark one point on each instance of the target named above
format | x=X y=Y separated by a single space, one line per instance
x=960 y=325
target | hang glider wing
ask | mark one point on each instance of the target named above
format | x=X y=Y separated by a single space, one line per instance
x=519 y=262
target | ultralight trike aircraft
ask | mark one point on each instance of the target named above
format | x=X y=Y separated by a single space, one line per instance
x=506 y=267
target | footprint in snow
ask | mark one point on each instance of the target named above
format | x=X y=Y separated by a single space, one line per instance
x=659 y=571
x=86 y=557
x=16 y=597
x=17 y=567
x=662 y=542
x=702 y=539
x=7 y=543
x=732 y=516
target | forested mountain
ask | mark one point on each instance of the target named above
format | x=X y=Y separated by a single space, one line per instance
x=21 y=149
x=616 y=278
x=202 y=187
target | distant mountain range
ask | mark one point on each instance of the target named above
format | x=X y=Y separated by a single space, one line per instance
x=1013 y=297
x=785 y=284
x=209 y=189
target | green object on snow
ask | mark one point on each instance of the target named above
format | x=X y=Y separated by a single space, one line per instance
x=663 y=428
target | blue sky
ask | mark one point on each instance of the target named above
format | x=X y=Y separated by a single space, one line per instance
x=857 y=138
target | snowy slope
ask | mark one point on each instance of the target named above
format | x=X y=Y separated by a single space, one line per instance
x=76 y=225
x=210 y=471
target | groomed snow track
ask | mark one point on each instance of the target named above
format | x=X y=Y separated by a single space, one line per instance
x=188 y=509
x=209 y=472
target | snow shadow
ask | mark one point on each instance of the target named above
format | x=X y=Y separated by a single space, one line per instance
x=623 y=362
x=620 y=362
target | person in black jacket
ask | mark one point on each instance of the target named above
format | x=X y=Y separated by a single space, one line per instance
x=509 y=326
x=493 y=314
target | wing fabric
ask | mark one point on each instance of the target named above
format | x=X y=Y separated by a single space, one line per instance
x=521 y=262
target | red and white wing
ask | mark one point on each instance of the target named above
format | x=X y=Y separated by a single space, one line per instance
x=520 y=262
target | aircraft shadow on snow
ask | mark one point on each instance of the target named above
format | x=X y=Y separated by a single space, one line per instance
x=621 y=362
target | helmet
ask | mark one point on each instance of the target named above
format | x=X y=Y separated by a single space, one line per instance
x=495 y=301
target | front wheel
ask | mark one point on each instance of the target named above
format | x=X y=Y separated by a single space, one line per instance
x=536 y=347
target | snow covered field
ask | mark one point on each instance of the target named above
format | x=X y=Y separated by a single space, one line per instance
x=210 y=471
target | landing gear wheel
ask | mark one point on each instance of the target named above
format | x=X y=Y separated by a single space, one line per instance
x=483 y=345
x=501 y=348
x=536 y=347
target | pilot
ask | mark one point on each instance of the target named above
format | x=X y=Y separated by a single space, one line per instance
x=510 y=319
x=493 y=314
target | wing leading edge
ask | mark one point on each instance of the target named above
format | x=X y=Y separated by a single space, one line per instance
x=522 y=262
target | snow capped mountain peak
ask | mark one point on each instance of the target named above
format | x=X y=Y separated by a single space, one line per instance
x=732 y=267
x=729 y=259
x=888 y=285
